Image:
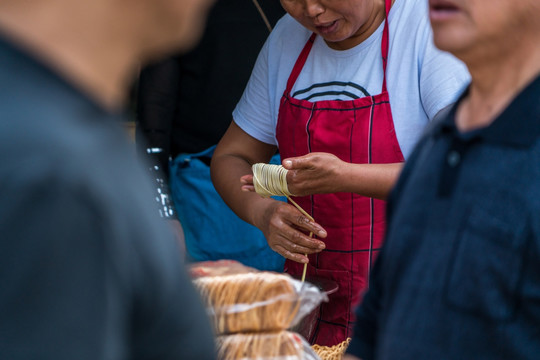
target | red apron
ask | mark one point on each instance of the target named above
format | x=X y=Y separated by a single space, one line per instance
x=357 y=131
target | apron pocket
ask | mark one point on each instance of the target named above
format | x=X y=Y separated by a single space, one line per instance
x=487 y=265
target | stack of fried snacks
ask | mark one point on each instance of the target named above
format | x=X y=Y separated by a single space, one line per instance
x=335 y=352
x=283 y=345
x=250 y=302
x=252 y=309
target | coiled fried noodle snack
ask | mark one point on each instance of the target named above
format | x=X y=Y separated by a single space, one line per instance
x=250 y=302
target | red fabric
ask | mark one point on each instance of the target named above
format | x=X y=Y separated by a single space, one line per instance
x=356 y=131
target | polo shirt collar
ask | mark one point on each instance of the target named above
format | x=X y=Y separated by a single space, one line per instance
x=518 y=125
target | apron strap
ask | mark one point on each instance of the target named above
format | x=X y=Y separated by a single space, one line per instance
x=299 y=64
x=385 y=41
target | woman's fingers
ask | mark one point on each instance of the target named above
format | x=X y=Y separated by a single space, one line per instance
x=303 y=222
x=289 y=234
x=313 y=173
x=248 y=188
x=247 y=183
x=299 y=258
x=300 y=162
x=296 y=251
x=246 y=179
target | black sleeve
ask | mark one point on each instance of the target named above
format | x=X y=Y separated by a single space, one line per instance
x=157 y=97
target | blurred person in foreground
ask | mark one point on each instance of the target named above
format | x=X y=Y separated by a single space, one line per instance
x=88 y=269
x=459 y=274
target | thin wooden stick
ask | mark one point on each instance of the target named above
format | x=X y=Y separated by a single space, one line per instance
x=310 y=234
x=263 y=15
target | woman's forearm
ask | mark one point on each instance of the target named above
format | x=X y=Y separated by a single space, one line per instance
x=232 y=159
x=323 y=173
x=226 y=171
x=371 y=180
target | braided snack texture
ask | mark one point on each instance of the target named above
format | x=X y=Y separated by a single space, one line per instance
x=283 y=345
x=335 y=352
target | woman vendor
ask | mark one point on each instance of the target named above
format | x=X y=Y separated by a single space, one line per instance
x=343 y=88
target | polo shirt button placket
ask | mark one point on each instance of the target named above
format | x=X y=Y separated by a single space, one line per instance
x=453 y=158
x=452 y=161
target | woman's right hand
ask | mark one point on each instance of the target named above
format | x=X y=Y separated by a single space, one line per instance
x=287 y=231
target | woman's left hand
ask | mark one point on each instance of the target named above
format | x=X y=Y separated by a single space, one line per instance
x=315 y=173
x=324 y=173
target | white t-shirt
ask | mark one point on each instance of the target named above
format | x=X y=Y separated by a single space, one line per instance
x=421 y=79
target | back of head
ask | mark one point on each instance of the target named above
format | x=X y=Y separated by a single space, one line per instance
x=99 y=44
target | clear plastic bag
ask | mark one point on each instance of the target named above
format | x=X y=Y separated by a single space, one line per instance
x=283 y=345
x=257 y=301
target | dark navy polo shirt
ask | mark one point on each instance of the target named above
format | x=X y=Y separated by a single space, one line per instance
x=459 y=274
